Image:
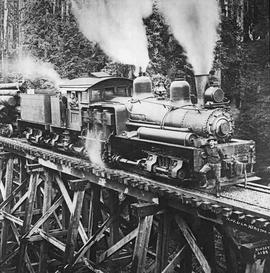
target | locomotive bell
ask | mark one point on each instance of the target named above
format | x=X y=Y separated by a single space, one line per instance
x=142 y=85
x=180 y=92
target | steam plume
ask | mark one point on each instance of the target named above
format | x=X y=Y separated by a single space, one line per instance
x=117 y=26
x=31 y=68
x=194 y=24
x=94 y=148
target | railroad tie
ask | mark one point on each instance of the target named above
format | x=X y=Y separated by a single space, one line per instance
x=238 y=215
x=226 y=212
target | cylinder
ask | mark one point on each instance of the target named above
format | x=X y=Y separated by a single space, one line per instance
x=142 y=85
x=180 y=92
x=175 y=137
x=7 y=100
x=214 y=94
x=201 y=81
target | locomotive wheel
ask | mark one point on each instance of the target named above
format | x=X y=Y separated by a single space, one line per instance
x=181 y=174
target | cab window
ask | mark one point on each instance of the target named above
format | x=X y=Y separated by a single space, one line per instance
x=85 y=97
x=109 y=93
x=95 y=95
x=121 y=91
x=73 y=99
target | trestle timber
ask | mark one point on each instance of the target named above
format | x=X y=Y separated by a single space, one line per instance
x=53 y=201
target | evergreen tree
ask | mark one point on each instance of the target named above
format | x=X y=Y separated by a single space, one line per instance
x=57 y=40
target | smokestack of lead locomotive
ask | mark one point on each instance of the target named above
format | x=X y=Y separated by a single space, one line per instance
x=9 y=101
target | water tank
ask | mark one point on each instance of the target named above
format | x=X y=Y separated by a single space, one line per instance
x=180 y=92
x=142 y=85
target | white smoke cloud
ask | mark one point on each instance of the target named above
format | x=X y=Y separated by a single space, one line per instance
x=94 y=148
x=117 y=26
x=31 y=68
x=194 y=24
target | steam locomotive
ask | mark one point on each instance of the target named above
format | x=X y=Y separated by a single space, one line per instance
x=137 y=130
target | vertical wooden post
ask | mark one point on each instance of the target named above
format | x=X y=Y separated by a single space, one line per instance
x=94 y=210
x=22 y=177
x=193 y=244
x=47 y=200
x=65 y=216
x=204 y=232
x=141 y=244
x=8 y=190
x=209 y=244
x=162 y=242
x=114 y=211
x=85 y=210
x=2 y=187
x=230 y=248
x=27 y=220
x=73 y=228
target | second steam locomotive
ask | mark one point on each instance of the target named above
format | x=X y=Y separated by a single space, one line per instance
x=137 y=130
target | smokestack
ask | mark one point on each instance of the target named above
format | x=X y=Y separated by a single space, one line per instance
x=200 y=82
x=140 y=71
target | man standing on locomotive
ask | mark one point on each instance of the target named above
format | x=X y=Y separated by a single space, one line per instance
x=213 y=157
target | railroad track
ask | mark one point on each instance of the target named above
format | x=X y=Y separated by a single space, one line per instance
x=256 y=187
x=236 y=204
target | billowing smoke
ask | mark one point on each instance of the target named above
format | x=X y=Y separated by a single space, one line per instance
x=93 y=147
x=32 y=69
x=194 y=24
x=117 y=26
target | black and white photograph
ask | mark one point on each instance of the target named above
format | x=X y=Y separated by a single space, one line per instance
x=134 y=136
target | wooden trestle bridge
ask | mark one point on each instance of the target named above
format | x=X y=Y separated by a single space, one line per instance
x=62 y=214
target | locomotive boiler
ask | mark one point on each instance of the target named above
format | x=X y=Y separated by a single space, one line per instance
x=135 y=129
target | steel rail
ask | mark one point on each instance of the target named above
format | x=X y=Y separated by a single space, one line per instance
x=256 y=187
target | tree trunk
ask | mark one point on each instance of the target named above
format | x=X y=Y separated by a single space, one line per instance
x=4 y=39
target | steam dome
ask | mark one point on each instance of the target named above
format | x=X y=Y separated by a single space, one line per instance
x=180 y=92
x=142 y=85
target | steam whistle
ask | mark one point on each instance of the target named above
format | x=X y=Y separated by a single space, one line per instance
x=140 y=71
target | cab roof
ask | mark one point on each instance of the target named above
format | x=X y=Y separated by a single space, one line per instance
x=82 y=84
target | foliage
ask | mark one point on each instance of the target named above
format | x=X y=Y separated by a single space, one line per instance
x=256 y=23
x=55 y=39
x=228 y=55
x=165 y=53
x=243 y=56
x=119 y=70
x=254 y=119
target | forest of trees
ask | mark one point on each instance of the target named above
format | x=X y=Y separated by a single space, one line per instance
x=48 y=30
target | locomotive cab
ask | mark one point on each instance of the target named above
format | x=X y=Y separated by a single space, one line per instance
x=61 y=120
x=70 y=119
